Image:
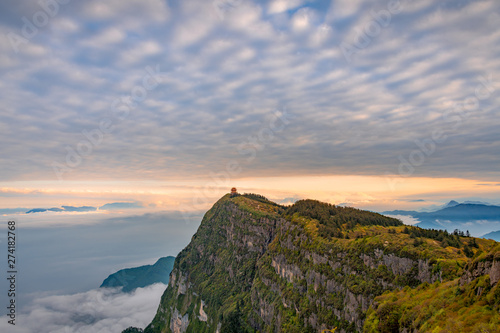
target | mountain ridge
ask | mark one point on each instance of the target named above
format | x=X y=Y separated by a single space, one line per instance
x=495 y=235
x=450 y=207
x=256 y=266
x=463 y=216
x=130 y=279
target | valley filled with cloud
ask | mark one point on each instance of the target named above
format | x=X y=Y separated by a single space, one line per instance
x=104 y=310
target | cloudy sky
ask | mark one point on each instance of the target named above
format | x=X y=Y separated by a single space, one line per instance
x=169 y=103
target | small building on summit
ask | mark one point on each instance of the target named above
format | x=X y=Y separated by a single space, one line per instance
x=234 y=192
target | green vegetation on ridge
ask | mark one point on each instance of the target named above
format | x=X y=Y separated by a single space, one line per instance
x=139 y=277
x=450 y=306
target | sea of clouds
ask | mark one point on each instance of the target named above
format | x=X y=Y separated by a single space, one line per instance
x=63 y=257
x=103 y=310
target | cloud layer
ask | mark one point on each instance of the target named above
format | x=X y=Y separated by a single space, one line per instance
x=74 y=252
x=103 y=310
x=365 y=83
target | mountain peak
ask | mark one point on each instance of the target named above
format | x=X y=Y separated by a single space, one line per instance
x=452 y=203
x=139 y=277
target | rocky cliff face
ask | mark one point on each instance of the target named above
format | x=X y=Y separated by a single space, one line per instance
x=218 y=267
x=489 y=265
x=254 y=266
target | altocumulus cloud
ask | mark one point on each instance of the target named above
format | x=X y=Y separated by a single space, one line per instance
x=103 y=310
x=223 y=74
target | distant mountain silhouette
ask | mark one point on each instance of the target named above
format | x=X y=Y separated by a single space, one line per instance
x=495 y=235
x=108 y=206
x=454 y=215
x=41 y=210
x=63 y=209
x=464 y=212
x=452 y=203
x=140 y=277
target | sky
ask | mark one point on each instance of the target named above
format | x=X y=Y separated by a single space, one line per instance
x=171 y=103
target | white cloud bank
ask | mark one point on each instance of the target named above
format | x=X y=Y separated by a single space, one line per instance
x=103 y=310
x=408 y=220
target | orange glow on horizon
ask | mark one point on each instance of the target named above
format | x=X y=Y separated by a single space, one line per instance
x=369 y=192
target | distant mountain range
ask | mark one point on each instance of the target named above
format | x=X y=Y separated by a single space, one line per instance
x=108 y=206
x=63 y=209
x=478 y=217
x=495 y=235
x=140 y=277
